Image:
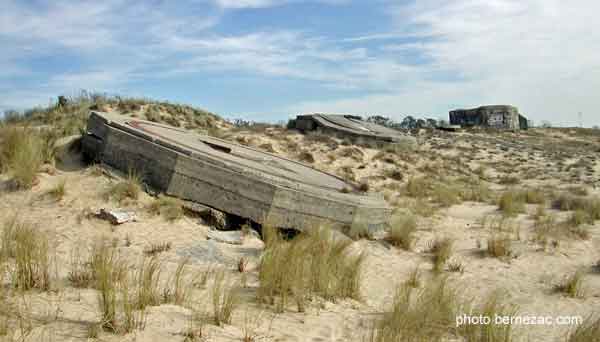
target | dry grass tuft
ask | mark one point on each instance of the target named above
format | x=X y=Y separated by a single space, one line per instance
x=21 y=154
x=427 y=314
x=178 y=289
x=588 y=331
x=442 y=249
x=491 y=307
x=168 y=207
x=315 y=263
x=148 y=283
x=511 y=203
x=59 y=190
x=129 y=188
x=30 y=250
x=402 y=229
x=225 y=299
x=157 y=248
x=499 y=246
x=572 y=285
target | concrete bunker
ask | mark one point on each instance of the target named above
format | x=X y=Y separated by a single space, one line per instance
x=349 y=126
x=497 y=116
x=232 y=178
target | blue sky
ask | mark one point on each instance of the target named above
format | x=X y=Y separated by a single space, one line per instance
x=273 y=59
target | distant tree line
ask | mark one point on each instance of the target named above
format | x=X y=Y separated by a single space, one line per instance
x=409 y=122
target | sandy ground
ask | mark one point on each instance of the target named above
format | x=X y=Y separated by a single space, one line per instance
x=66 y=313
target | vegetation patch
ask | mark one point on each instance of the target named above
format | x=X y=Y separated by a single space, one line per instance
x=315 y=263
x=168 y=207
x=402 y=231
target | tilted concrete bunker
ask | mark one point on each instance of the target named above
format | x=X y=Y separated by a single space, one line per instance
x=235 y=179
x=500 y=117
x=350 y=126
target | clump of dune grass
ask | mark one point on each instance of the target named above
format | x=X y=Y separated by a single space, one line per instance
x=59 y=190
x=579 y=217
x=414 y=278
x=107 y=269
x=509 y=180
x=446 y=195
x=499 y=246
x=441 y=249
x=402 y=231
x=534 y=196
x=568 y=202
x=157 y=248
x=491 y=307
x=588 y=205
x=427 y=314
x=128 y=188
x=475 y=191
x=21 y=155
x=418 y=187
x=315 y=263
x=225 y=299
x=511 y=203
x=168 y=207
x=30 y=250
x=588 y=331
x=148 y=283
x=178 y=289
x=572 y=285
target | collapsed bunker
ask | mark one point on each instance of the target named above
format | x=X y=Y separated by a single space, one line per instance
x=351 y=126
x=232 y=178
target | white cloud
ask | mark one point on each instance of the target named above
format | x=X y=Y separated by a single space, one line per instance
x=541 y=55
x=248 y=3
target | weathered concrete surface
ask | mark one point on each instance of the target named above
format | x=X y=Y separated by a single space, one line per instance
x=232 y=178
x=351 y=126
x=499 y=116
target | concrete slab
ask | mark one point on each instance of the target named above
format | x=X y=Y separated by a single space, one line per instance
x=351 y=126
x=235 y=179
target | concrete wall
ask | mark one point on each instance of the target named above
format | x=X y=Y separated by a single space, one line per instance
x=500 y=117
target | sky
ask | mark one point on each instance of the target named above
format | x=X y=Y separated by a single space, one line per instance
x=269 y=60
